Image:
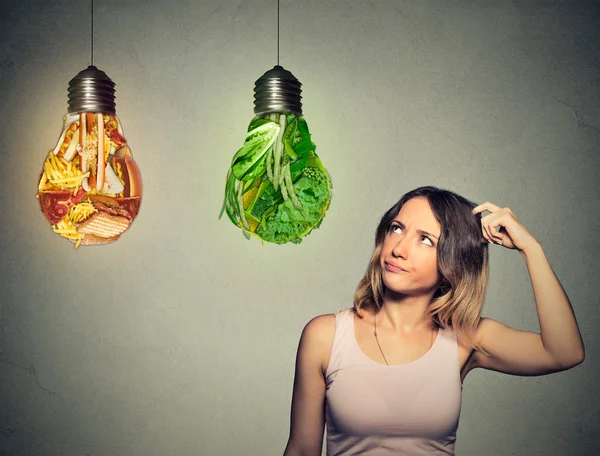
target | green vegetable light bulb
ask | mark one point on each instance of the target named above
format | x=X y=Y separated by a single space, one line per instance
x=277 y=189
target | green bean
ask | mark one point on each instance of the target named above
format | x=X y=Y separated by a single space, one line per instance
x=290 y=151
x=240 y=202
x=226 y=188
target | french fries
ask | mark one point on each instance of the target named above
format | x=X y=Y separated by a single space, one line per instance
x=60 y=173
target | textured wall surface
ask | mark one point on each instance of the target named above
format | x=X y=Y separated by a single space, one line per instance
x=180 y=338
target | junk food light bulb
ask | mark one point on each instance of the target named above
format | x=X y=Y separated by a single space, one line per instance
x=90 y=188
x=277 y=189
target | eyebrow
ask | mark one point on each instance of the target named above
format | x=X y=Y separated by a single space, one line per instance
x=402 y=225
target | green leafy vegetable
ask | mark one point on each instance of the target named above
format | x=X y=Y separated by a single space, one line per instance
x=290 y=224
x=277 y=189
x=256 y=145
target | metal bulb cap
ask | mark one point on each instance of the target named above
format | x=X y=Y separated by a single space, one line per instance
x=92 y=91
x=277 y=91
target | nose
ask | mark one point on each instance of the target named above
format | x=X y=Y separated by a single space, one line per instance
x=400 y=249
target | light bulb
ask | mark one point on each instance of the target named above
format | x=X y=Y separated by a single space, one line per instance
x=277 y=188
x=90 y=188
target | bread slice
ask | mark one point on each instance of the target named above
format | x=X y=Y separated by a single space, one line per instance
x=103 y=224
x=91 y=239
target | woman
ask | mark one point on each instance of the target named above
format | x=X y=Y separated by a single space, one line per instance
x=386 y=376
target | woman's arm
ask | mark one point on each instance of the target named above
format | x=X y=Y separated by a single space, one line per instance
x=559 y=345
x=308 y=400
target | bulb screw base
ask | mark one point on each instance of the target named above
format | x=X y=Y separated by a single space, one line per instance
x=277 y=91
x=91 y=90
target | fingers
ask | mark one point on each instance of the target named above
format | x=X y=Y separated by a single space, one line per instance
x=490 y=207
x=501 y=226
x=488 y=231
x=498 y=225
x=490 y=226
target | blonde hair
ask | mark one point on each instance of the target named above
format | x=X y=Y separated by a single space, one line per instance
x=462 y=260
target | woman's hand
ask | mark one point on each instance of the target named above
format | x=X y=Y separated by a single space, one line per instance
x=502 y=227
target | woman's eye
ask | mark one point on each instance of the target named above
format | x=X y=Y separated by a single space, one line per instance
x=396 y=229
x=425 y=240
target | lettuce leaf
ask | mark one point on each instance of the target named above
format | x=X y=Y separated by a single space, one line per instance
x=257 y=143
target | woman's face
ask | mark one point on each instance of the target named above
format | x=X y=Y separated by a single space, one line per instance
x=409 y=251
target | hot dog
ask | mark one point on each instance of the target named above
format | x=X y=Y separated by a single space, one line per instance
x=82 y=141
x=130 y=174
x=64 y=142
x=101 y=159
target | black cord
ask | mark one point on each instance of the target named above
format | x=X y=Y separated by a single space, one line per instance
x=278 y=32
x=92 y=33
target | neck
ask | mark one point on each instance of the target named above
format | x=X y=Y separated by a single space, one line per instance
x=406 y=313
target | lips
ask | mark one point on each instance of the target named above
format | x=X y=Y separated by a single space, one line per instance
x=394 y=267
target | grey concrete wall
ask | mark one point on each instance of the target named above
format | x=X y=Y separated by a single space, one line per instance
x=180 y=338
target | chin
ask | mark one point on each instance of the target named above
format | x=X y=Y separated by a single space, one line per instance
x=398 y=289
x=393 y=286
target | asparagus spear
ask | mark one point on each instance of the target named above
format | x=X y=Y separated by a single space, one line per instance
x=290 y=187
x=278 y=150
x=269 y=164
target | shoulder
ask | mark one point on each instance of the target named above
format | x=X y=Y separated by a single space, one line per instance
x=319 y=329
x=487 y=329
x=317 y=340
x=488 y=326
x=485 y=326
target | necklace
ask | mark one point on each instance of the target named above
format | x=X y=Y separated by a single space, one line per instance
x=377 y=339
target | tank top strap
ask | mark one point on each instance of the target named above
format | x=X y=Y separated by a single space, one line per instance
x=446 y=354
x=342 y=353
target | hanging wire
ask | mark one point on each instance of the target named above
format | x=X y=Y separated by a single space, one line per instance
x=92 y=34
x=278 y=32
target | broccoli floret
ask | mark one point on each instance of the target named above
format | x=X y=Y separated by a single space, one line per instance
x=267 y=198
x=261 y=205
x=315 y=174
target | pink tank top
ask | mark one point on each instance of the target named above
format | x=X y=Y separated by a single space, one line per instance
x=407 y=409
